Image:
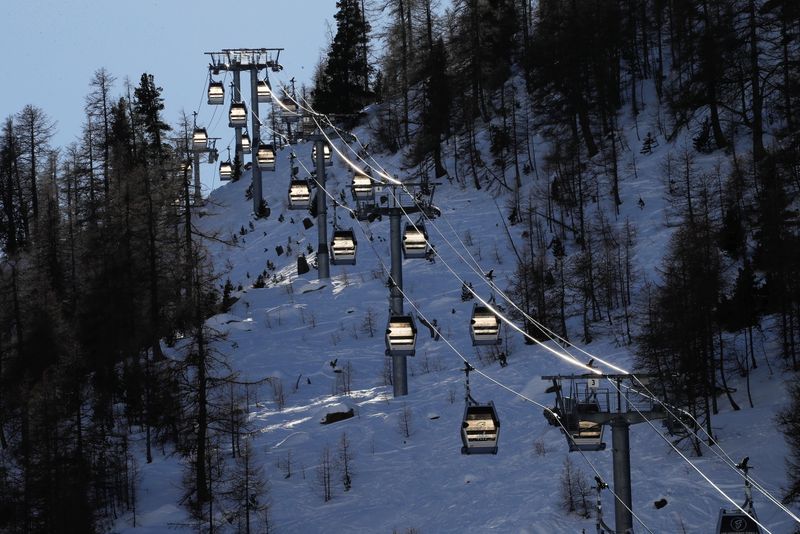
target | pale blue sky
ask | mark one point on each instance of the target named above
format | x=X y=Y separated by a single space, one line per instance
x=52 y=48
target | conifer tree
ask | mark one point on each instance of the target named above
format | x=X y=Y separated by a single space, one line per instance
x=342 y=86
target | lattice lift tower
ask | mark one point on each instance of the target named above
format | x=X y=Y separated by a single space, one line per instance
x=252 y=60
x=584 y=407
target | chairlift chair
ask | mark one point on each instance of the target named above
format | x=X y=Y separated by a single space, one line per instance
x=216 y=93
x=225 y=170
x=401 y=336
x=480 y=428
x=299 y=194
x=263 y=91
x=265 y=156
x=246 y=146
x=415 y=241
x=484 y=326
x=237 y=115
x=362 y=186
x=326 y=154
x=199 y=139
x=343 y=247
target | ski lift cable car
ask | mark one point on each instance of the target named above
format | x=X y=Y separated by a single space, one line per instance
x=263 y=91
x=343 y=247
x=199 y=139
x=343 y=244
x=225 y=171
x=415 y=240
x=308 y=125
x=484 y=326
x=584 y=434
x=246 y=145
x=289 y=109
x=265 y=156
x=299 y=194
x=237 y=115
x=361 y=186
x=574 y=414
x=216 y=92
x=401 y=336
x=480 y=426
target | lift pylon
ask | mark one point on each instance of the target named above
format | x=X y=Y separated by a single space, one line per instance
x=584 y=407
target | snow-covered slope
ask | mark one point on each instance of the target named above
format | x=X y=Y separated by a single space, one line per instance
x=292 y=330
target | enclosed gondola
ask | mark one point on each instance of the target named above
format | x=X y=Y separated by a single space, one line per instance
x=263 y=91
x=199 y=139
x=326 y=154
x=585 y=434
x=401 y=336
x=415 y=241
x=299 y=194
x=361 y=187
x=237 y=115
x=213 y=155
x=581 y=414
x=246 y=145
x=484 y=326
x=225 y=170
x=216 y=93
x=265 y=156
x=308 y=126
x=289 y=109
x=480 y=429
x=343 y=247
x=480 y=426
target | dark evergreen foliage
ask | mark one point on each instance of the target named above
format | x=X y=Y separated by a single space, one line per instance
x=343 y=85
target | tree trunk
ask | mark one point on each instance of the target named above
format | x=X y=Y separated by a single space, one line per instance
x=755 y=81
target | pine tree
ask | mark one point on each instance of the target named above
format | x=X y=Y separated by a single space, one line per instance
x=343 y=84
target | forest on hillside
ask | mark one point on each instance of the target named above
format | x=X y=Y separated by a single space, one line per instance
x=100 y=262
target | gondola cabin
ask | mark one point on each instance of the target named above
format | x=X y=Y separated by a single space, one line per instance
x=309 y=127
x=326 y=154
x=199 y=139
x=585 y=434
x=225 y=170
x=216 y=93
x=263 y=91
x=401 y=336
x=415 y=241
x=213 y=155
x=484 y=326
x=246 y=146
x=480 y=429
x=361 y=187
x=289 y=109
x=736 y=523
x=266 y=157
x=299 y=195
x=343 y=247
x=237 y=115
